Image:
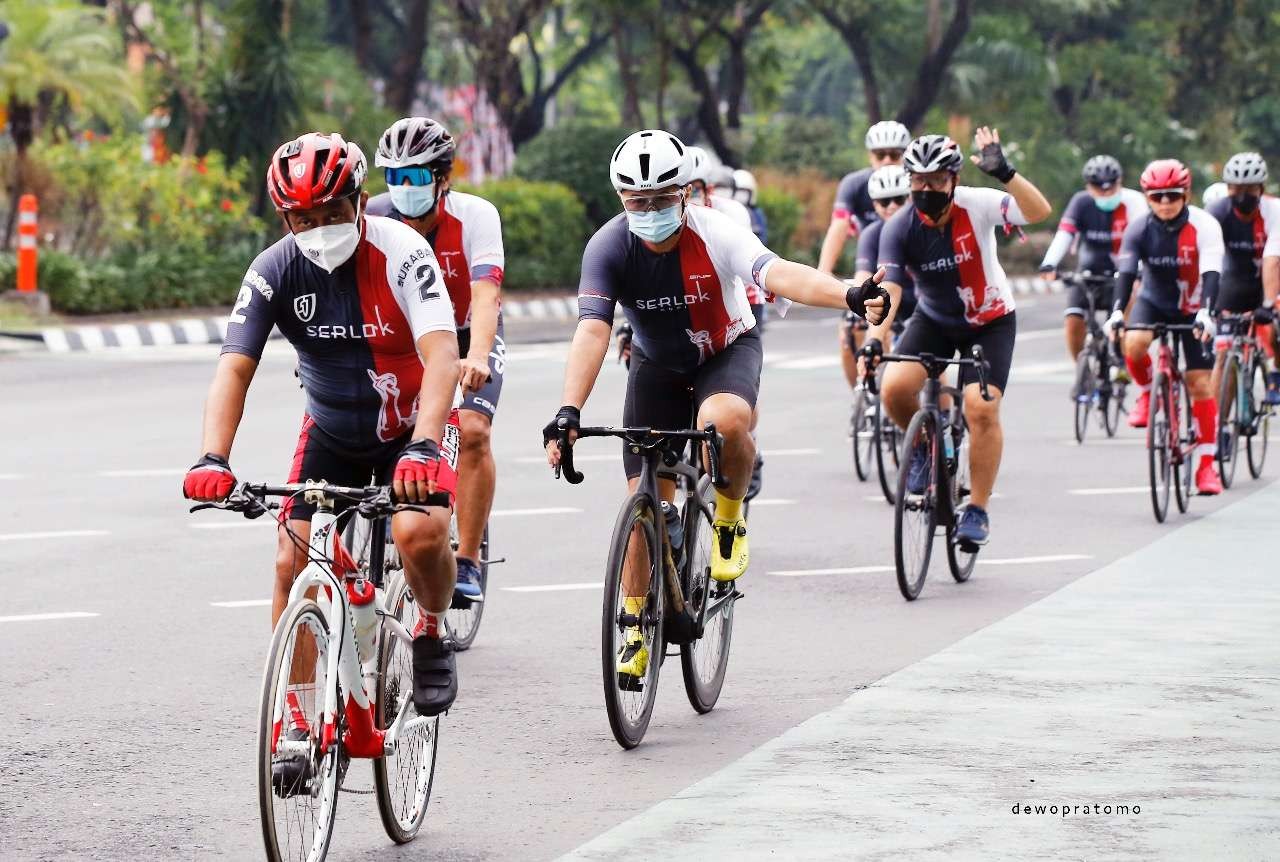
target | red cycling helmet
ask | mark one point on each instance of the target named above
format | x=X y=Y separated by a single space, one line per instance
x=313 y=170
x=1166 y=174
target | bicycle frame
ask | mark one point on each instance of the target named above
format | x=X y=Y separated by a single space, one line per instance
x=1170 y=369
x=947 y=421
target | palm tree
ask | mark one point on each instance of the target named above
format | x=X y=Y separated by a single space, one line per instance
x=59 y=53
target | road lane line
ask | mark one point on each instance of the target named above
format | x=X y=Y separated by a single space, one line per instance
x=807 y=363
x=234 y=525
x=243 y=603
x=1100 y=492
x=11 y=476
x=52 y=534
x=1035 y=334
x=553 y=588
x=1049 y=558
x=856 y=570
x=63 y=615
x=775 y=501
x=549 y=510
x=145 y=471
x=866 y=570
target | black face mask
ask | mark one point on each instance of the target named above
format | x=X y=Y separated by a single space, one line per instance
x=931 y=204
x=1245 y=202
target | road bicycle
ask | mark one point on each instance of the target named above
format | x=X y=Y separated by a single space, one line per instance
x=942 y=433
x=1243 y=411
x=1094 y=388
x=681 y=605
x=1171 y=434
x=339 y=679
x=876 y=433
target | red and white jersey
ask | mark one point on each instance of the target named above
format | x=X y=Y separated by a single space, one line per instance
x=467 y=241
x=740 y=216
x=1174 y=255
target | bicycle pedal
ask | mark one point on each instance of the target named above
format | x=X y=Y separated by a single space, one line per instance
x=969 y=547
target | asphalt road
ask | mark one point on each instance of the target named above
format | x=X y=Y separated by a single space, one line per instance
x=132 y=710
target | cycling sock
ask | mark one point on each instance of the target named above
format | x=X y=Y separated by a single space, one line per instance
x=297 y=717
x=632 y=604
x=1264 y=335
x=1140 y=372
x=429 y=624
x=727 y=508
x=1205 y=411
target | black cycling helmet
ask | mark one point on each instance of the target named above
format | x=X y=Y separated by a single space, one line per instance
x=416 y=142
x=1102 y=171
x=929 y=153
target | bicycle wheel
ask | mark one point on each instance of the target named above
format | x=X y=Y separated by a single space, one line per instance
x=629 y=700
x=1086 y=385
x=1114 y=408
x=1159 y=458
x=1230 y=412
x=863 y=438
x=297 y=817
x=960 y=561
x=1184 y=456
x=463 y=616
x=916 y=515
x=888 y=453
x=1260 y=422
x=403 y=778
x=704 y=662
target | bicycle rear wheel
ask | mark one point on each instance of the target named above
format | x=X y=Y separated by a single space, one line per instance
x=1260 y=421
x=1184 y=456
x=888 y=452
x=635 y=547
x=463 y=616
x=1159 y=458
x=402 y=779
x=704 y=662
x=297 y=813
x=863 y=439
x=1230 y=411
x=915 y=516
x=960 y=561
x=1085 y=386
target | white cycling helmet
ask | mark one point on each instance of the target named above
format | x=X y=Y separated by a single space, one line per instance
x=929 y=153
x=414 y=141
x=1214 y=193
x=888 y=135
x=744 y=187
x=651 y=159
x=699 y=165
x=1245 y=169
x=891 y=181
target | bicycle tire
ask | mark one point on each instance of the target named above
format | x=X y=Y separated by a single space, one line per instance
x=1260 y=425
x=911 y=572
x=888 y=453
x=1159 y=458
x=1085 y=386
x=1184 y=460
x=703 y=690
x=629 y=730
x=279 y=664
x=464 y=622
x=863 y=439
x=1114 y=408
x=1229 y=414
x=960 y=561
x=401 y=828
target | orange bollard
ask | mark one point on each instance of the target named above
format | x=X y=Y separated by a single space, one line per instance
x=27 y=244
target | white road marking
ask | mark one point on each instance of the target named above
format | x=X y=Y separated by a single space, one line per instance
x=145 y=471
x=552 y=588
x=550 y=510
x=243 y=603
x=866 y=570
x=52 y=534
x=11 y=476
x=807 y=363
x=1036 y=334
x=774 y=453
x=1108 y=441
x=234 y=525
x=1051 y=558
x=772 y=502
x=34 y=618
x=1099 y=492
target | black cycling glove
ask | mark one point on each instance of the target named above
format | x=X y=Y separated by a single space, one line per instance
x=856 y=297
x=573 y=421
x=1263 y=314
x=991 y=161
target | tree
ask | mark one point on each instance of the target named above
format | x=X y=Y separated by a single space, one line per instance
x=179 y=52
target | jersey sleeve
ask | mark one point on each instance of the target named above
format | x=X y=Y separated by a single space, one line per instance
x=380 y=205
x=742 y=252
x=868 y=249
x=1071 y=215
x=598 y=282
x=844 y=206
x=1271 y=223
x=891 y=253
x=417 y=284
x=483 y=232
x=1209 y=238
x=254 y=314
x=1131 y=246
x=995 y=206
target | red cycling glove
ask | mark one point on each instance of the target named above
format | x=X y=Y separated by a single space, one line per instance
x=209 y=479
x=419 y=462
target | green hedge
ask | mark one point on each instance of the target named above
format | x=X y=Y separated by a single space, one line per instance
x=544 y=229
x=783 y=212
x=577 y=155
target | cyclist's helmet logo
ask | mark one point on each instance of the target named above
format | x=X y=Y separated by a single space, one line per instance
x=305 y=307
x=314 y=169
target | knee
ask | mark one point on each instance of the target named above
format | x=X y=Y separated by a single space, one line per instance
x=476 y=431
x=1135 y=348
x=290 y=561
x=420 y=536
x=983 y=416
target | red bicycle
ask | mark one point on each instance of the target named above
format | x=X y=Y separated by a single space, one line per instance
x=1171 y=434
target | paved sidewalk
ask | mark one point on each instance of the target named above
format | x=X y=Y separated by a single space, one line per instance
x=1153 y=683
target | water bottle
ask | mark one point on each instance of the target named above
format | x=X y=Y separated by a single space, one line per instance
x=364 y=616
x=949 y=444
x=675 y=529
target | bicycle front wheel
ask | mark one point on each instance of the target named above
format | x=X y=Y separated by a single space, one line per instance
x=463 y=617
x=863 y=434
x=704 y=662
x=1230 y=413
x=915 y=515
x=631 y=625
x=403 y=778
x=1085 y=386
x=888 y=452
x=1184 y=453
x=297 y=784
x=1260 y=421
x=1159 y=456
x=960 y=561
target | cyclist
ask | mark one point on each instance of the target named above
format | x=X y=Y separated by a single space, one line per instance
x=1180 y=249
x=948 y=236
x=1250 y=223
x=466 y=234
x=744 y=192
x=360 y=299
x=678 y=271
x=1094 y=221
x=1213 y=193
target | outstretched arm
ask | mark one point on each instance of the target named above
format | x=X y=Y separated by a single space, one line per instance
x=808 y=286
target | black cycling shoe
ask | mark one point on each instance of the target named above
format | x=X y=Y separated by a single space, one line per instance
x=291 y=775
x=757 y=479
x=435 y=675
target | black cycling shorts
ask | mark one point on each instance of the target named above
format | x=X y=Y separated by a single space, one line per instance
x=1238 y=295
x=758 y=312
x=924 y=335
x=1078 y=301
x=485 y=399
x=661 y=398
x=1196 y=356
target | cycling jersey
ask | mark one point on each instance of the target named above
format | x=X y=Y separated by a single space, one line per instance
x=1096 y=233
x=467 y=241
x=355 y=330
x=1175 y=255
x=958 y=280
x=1247 y=239
x=853 y=201
x=869 y=260
x=685 y=305
x=741 y=216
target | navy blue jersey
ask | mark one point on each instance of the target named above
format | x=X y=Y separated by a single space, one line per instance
x=1096 y=232
x=1246 y=239
x=853 y=200
x=355 y=329
x=1174 y=256
x=869 y=260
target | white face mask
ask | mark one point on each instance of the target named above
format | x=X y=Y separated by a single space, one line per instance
x=331 y=246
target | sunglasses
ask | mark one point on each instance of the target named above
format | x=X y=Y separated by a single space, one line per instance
x=896 y=199
x=887 y=154
x=650 y=203
x=415 y=176
x=1165 y=197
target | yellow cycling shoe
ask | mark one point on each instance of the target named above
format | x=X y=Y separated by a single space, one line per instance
x=730 y=557
x=633 y=661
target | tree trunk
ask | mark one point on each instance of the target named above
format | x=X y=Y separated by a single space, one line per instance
x=361 y=32
x=631 y=115
x=708 y=103
x=407 y=66
x=933 y=67
x=852 y=33
x=734 y=79
x=22 y=131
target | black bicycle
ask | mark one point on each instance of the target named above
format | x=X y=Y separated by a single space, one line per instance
x=934 y=497
x=1094 y=388
x=656 y=594
x=1243 y=411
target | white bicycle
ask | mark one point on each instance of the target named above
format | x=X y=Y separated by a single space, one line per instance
x=339 y=679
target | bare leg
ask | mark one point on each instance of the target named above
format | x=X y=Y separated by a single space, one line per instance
x=429 y=566
x=1074 y=328
x=986 y=441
